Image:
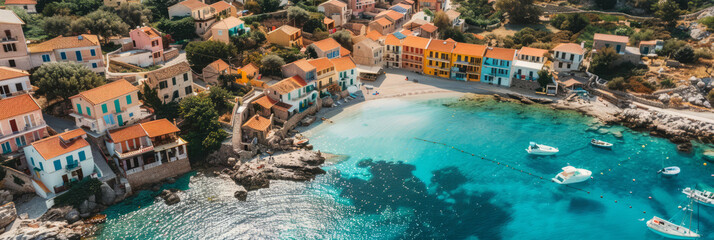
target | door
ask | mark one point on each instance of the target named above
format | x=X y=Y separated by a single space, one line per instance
x=647 y=50
x=65 y=179
x=120 y=120
x=499 y=81
x=13 y=125
x=619 y=47
x=80 y=174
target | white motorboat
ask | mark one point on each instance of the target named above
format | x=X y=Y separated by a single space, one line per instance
x=571 y=174
x=705 y=198
x=601 y=144
x=669 y=171
x=670 y=230
x=540 y=149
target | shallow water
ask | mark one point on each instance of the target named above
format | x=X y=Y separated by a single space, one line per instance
x=392 y=185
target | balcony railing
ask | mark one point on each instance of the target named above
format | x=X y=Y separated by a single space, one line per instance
x=27 y=127
x=8 y=39
x=140 y=150
x=438 y=59
x=72 y=166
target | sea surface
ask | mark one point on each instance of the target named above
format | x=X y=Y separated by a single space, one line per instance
x=389 y=184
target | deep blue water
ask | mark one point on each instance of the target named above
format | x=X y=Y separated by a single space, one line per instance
x=389 y=185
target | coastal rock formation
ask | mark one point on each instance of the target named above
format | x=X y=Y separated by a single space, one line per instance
x=36 y=229
x=8 y=214
x=5 y=197
x=108 y=194
x=299 y=165
x=170 y=197
x=677 y=129
x=241 y=194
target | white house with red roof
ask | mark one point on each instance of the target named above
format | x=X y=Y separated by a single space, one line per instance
x=57 y=161
x=529 y=61
x=203 y=14
x=21 y=123
x=13 y=82
x=27 y=5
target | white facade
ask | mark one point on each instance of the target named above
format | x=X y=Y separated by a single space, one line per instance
x=348 y=78
x=14 y=86
x=52 y=171
x=526 y=70
x=141 y=58
x=305 y=94
x=565 y=61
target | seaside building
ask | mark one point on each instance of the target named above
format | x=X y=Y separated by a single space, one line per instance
x=14 y=52
x=59 y=160
x=567 y=57
x=149 y=152
x=437 y=60
x=347 y=76
x=359 y=6
x=393 y=47
x=109 y=106
x=335 y=10
x=382 y=25
x=301 y=68
x=433 y=5
x=528 y=62
x=13 y=82
x=368 y=52
x=149 y=39
x=83 y=49
x=497 y=64
x=326 y=76
x=296 y=93
x=328 y=48
x=172 y=83
x=27 y=5
x=256 y=128
x=202 y=14
x=413 y=53
x=223 y=30
x=466 y=62
x=286 y=36
x=21 y=123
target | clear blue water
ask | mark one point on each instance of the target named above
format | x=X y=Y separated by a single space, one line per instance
x=391 y=185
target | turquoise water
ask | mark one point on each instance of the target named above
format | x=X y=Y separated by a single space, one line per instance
x=392 y=185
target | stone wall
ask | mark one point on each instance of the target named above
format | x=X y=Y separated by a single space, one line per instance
x=295 y=119
x=159 y=173
x=525 y=84
x=170 y=54
x=9 y=181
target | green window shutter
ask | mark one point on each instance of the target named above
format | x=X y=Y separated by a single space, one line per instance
x=79 y=108
x=128 y=99
x=117 y=106
x=89 y=112
x=104 y=108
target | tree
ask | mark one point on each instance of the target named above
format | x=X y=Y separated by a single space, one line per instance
x=685 y=54
x=298 y=15
x=643 y=35
x=201 y=126
x=671 y=46
x=179 y=29
x=160 y=8
x=519 y=11
x=617 y=83
x=709 y=22
x=441 y=20
x=56 y=25
x=310 y=52
x=252 y=6
x=344 y=37
x=288 y=54
x=150 y=97
x=64 y=79
x=134 y=14
x=571 y=22
x=103 y=23
x=544 y=78
x=200 y=54
x=604 y=60
x=606 y=4
x=668 y=11
x=428 y=12
x=270 y=64
x=315 y=22
x=268 y=6
x=219 y=96
x=249 y=41
x=453 y=33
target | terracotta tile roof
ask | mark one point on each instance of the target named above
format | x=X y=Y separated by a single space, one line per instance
x=266 y=102
x=343 y=63
x=250 y=69
x=452 y=14
x=22 y=2
x=469 y=49
x=107 y=91
x=289 y=84
x=127 y=133
x=227 y=23
x=441 y=45
x=10 y=73
x=569 y=48
x=405 y=6
x=60 y=42
x=303 y=65
x=428 y=27
x=169 y=72
x=392 y=40
x=406 y=32
x=326 y=44
x=193 y=4
x=159 y=127
x=382 y=22
x=220 y=6
x=321 y=63
x=59 y=144
x=335 y=3
x=611 y=38
x=219 y=65
x=652 y=42
x=529 y=51
x=374 y=35
x=282 y=105
x=501 y=53
x=416 y=42
x=287 y=29
x=14 y=106
x=391 y=14
x=257 y=123
x=344 y=52
x=327 y=21
x=8 y=16
x=149 y=31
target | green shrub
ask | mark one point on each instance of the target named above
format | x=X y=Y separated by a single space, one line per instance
x=685 y=55
x=617 y=83
x=703 y=53
x=708 y=21
x=17 y=180
x=78 y=192
x=667 y=83
x=710 y=96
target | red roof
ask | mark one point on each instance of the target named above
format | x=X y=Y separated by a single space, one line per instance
x=529 y=51
x=59 y=144
x=501 y=53
x=18 y=105
x=20 y=2
x=127 y=133
x=326 y=44
x=569 y=48
x=469 y=49
x=258 y=123
x=10 y=73
x=159 y=127
x=611 y=38
x=343 y=63
x=441 y=45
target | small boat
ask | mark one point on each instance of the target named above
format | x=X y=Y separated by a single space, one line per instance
x=670 y=230
x=705 y=198
x=96 y=219
x=601 y=144
x=669 y=171
x=540 y=149
x=302 y=141
x=571 y=174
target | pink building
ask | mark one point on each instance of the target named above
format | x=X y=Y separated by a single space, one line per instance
x=358 y=6
x=21 y=123
x=148 y=38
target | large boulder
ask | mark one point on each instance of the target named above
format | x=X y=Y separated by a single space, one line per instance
x=241 y=194
x=72 y=216
x=170 y=197
x=8 y=214
x=252 y=181
x=5 y=197
x=108 y=194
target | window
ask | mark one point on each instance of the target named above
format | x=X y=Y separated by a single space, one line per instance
x=220 y=32
x=108 y=120
x=32 y=160
x=185 y=77
x=188 y=90
x=78 y=54
x=79 y=108
x=163 y=84
x=45 y=58
x=104 y=108
x=92 y=52
x=128 y=99
x=58 y=165
x=20 y=141
x=82 y=157
x=94 y=65
x=69 y=159
x=63 y=56
x=131 y=114
x=89 y=112
x=173 y=81
x=9 y=47
x=176 y=95
x=12 y=63
x=18 y=87
x=117 y=106
x=42 y=168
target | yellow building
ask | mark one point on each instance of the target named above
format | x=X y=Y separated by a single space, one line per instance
x=286 y=36
x=466 y=61
x=437 y=57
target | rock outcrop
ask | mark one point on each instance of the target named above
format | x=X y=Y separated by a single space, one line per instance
x=36 y=229
x=108 y=194
x=678 y=129
x=241 y=194
x=299 y=165
x=170 y=197
x=8 y=214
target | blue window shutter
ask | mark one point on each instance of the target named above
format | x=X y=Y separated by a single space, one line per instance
x=58 y=165
x=89 y=112
x=128 y=99
x=79 y=56
x=94 y=65
x=33 y=161
x=17 y=142
x=42 y=167
x=93 y=52
x=70 y=159
x=117 y=106
x=104 y=108
x=82 y=157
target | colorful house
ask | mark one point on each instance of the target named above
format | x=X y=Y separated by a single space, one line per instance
x=83 y=49
x=347 y=76
x=13 y=82
x=395 y=17
x=413 y=53
x=14 y=52
x=224 y=9
x=148 y=38
x=382 y=25
x=393 y=47
x=466 y=61
x=172 y=83
x=328 y=48
x=223 y=30
x=202 y=14
x=295 y=92
x=59 y=160
x=21 y=123
x=437 y=57
x=326 y=76
x=286 y=36
x=335 y=10
x=109 y=106
x=497 y=63
x=529 y=61
x=359 y=6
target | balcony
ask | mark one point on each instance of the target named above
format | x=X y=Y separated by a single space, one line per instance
x=73 y=166
x=468 y=63
x=438 y=59
x=134 y=152
x=38 y=124
x=8 y=39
